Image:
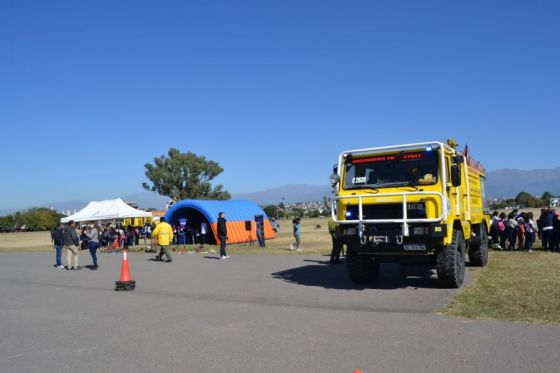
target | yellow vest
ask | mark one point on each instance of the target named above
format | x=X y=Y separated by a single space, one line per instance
x=164 y=234
x=332 y=226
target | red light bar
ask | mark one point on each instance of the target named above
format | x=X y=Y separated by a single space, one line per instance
x=384 y=158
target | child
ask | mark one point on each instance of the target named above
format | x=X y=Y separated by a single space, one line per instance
x=529 y=233
x=297 y=235
x=494 y=233
x=521 y=232
x=511 y=225
x=502 y=230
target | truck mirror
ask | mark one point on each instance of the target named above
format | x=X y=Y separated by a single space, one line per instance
x=335 y=168
x=455 y=175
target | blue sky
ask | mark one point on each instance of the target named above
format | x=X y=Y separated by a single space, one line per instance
x=273 y=90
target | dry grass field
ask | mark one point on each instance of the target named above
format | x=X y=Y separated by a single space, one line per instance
x=317 y=241
x=25 y=241
x=536 y=212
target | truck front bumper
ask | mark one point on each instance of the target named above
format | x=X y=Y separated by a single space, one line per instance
x=383 y=239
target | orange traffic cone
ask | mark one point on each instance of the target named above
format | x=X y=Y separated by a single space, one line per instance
x=116 y=244
x=358 y=371
x=125 y=283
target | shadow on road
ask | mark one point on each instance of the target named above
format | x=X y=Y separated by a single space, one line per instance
x=333 y=276
x=326 y=262
x=211 y=257
x=154 y=260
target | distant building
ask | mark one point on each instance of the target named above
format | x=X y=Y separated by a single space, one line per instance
x=554 y=202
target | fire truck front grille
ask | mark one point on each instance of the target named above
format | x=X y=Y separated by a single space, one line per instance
x=387 y=211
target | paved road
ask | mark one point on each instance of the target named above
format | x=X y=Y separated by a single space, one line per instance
x=248 y=314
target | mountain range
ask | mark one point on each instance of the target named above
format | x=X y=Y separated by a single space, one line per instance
x=500 y=184
x=504 y=183
x=508 y=182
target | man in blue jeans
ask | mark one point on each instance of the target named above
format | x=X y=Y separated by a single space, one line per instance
x=546 y=228
x=222 y=235
x=58 y=240
x=93 y=243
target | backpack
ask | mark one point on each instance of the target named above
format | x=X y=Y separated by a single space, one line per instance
x=501 y=226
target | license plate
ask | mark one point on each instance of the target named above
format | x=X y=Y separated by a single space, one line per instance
x=414 y=247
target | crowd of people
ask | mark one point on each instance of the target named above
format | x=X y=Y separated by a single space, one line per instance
x=519 y=230
x=109 y=238
x=514 y=231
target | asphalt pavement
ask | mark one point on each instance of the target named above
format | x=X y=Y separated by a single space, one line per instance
x=247 y=314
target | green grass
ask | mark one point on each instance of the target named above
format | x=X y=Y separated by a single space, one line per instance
x=516 y=286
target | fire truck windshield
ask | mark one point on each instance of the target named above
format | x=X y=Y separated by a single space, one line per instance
x=406 y=169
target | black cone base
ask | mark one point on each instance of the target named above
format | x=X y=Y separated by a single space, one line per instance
x=125 y=285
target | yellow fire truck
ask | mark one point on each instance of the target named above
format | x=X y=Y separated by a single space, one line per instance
x=412 y=203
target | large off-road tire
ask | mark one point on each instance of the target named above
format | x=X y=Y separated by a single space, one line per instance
x=478 y=250
x=362 y=269
x=450 y=261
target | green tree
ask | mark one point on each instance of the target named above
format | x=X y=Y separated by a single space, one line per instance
x=6 y=222
x=35 y=219
x=297 y=212
x=184 y=176
x=314 y=213
x=546 y=198
x=271 y=210
x=522 y=199
x=274 y=211
x=38 y=219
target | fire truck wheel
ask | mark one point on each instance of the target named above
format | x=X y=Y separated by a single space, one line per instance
x=478 y=251
x=362 y=269
x=450 y=261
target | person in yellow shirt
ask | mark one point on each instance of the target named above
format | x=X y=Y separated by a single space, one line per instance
x=164 y=235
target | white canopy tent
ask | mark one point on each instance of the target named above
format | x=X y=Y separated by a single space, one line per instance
x=106 y=210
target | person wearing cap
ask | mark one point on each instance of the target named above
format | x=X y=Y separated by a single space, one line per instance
x=72 y=245
x=164 y=234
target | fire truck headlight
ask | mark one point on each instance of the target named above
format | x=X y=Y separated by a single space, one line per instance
x=334 y=179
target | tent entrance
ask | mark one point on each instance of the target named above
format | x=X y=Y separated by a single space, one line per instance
x=194 y=219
